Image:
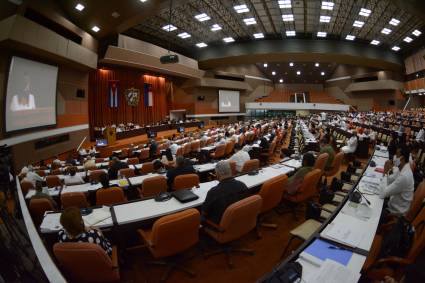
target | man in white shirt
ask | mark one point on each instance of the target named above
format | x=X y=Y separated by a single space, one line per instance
x=73 y=178
x=351 y=144
x=398 y=184
x=420 y=136
x=173 y=148
x=31 y=176
x=241 y=157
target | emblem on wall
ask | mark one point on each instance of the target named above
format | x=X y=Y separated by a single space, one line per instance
x=132 y=95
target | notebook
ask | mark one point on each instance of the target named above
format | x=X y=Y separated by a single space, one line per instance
x=184 y=196
x=322 y=250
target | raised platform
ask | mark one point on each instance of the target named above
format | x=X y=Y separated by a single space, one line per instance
x=296 y=106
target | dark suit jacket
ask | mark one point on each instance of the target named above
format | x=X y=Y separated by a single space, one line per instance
x=113 y=170
x=173 y=173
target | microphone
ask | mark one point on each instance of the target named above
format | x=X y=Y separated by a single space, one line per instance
x=356 y=196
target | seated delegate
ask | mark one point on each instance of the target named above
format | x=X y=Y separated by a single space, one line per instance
x=295 y=181
x=183 y=166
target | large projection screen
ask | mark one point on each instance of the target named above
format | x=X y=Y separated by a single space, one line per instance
x=228 y=101
x=30 y=95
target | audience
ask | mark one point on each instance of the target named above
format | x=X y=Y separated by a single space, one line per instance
x=295 y=181
x=40 y=194
x=30 y=175
x=351 y=144
x=116 y=165
x=325 y=147
x=90 y=163
x=104 y=181
x=241 y=157
x=73 y=178
x=183 y=166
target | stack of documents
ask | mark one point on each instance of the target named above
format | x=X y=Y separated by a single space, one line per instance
x=97 y=216
x=332 y=272
x=345 y=229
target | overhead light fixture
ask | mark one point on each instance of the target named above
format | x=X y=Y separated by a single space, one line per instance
x=95 y=29
x=386 y=31
x=250 y=21
x=284 y=4
x=394 y=22
x=241 y=9
x=298 y=73
x=79 y=7
x=288 y=18
x=184 y=35
x=350 y=37
x=395 y=48
x=326 y=5
x=375 y=42
x=281 y=80
x=325 y=19
x=215 y=27
x=115 y=15
x=416 y=32
x=265 y=65
x=316 y=64
x=228 y=39
x=358 y=24
x=201 y=44
x=322 y=73
x=321 y=34
x=202 y=17
x=273 y=73
x=408 y=39
x=143 y=1
x=258 y=35
x=169 y=28
x=365 y=12
x=290 y=33
x=291 y=64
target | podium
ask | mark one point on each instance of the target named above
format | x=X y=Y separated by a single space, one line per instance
x=110 y=134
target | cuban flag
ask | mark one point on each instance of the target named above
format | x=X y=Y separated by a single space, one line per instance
x=148 y=95
x=113 y=94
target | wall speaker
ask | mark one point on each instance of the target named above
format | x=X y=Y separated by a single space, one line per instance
x=81 y=93
x=201 y=98
x=391 y=102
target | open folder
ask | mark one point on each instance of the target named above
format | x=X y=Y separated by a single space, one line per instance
x=320 y=250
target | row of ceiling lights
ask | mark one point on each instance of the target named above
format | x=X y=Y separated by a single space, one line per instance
x=291 y=64
x=283 y=4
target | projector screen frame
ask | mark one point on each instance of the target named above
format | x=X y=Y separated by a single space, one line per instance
x=218 y=100
x=31 y=129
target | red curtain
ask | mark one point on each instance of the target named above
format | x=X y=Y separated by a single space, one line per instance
x=101 y=113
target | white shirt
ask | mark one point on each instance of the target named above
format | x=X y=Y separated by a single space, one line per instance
x=33 y=177
x=399 y=186
x=73 y=180
x=174 y=148
x=420 y=135
x=240 y=158
x=16 y=106
x=351 y=145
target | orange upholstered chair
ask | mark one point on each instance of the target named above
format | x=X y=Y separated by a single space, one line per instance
x=237 y=220
x=41 y=173
x=196 y=146
x=186 y=181
x=110 y=196
x=144 y=154
x=95 y=175
x=26 y=186
x=321 y=162
x=133 y=161
x=53 y=181
x=126 y=172
x=271 y=192
x=336 y=165
x=153 y=186
x=219 y=152
x=87 y=262
x=124 y=152
x=187 y=148
x=250 y=165
x=57 y=171
x=417 y=202
x=99 y=160
x=230 y=146
x=232 y=164
x=241 y=140
x=266 y=156
x=38 y=207
x=147 y=168
x=77 y=199
x=172 y=235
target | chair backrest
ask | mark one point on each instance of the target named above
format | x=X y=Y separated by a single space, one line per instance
x=38 y=207
x=41 y=173
x=144 y=154
x=336 y=164
x=57 y=171
x=220 y=150
x=239 y=218
x=153 y=186
x=85 y=262
x=187 y=148
x=232 y=164
x=419 y=238
x=196 y=146
x=180 y=151
x=175 y=233
x=417 y=202
x=53 y=181
x=250 y=165
x=271 y=192
x=124 y=152
x=26 y=186
x=230 y=145
x=77 y=199
x=147 y=168
x=133 y=160
x=321 y=162
x=99 y=160
x=308 y=187
x=186 y=181
x=127 y=172
x=241 y=140
x=110 y=196
x=95 y=175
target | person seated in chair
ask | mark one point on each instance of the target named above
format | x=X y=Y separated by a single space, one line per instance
x=227 y=192
x=183 y=166
x=73 y=178
x=39 y=194
x=295 y=181
x=153 y=147
x=351 y=144
x=74 y=230
x=115 y=167
x=325 y=147
x=241 y=157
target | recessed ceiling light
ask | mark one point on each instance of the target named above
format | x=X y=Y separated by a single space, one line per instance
x=365 y=12
x=169 y=28
x=408 y=39
x=184 y=35
x=350 y=37
x=143 y=1
x=258 y=35
x=281 y=80
x=317 y=65
x=358 y=24
x=395 y=48
x=228 y=39
x=290 y=33
x=241 y=9
x=288 y=18
x=416 y=32
x=325 y=19
x=95 y=29
x=375 y=42
x=291 y=64
x=284 y=4
x=115 y=15
x=201 y=44
x=394 y=22
x=202 y=17
x=79 y=7
x=273 y=73
x=386 y=31
x=322 y=73
x=321 y=34
x=326 y=5
x=265 y=65
x=250 y=21
x=215 y=27
x=298 y=73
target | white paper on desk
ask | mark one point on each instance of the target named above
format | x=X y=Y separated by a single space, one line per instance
x=51 y=222
x=345 y=229
x=97 y=216
x=361 y=211
x=333 y=272
x=369 y=180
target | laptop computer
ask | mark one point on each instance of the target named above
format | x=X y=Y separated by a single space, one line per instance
x=184 y=196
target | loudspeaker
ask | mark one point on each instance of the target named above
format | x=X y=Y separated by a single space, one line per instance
x=201 y=98
x=81 y=93
x=391 y=102
x=169 y=59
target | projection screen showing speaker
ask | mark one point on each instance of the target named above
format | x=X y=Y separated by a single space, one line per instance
x=30 y=95
x=228 y=101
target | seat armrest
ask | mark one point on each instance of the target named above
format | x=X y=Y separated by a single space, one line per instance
x=212 y=225
x=114 y=257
